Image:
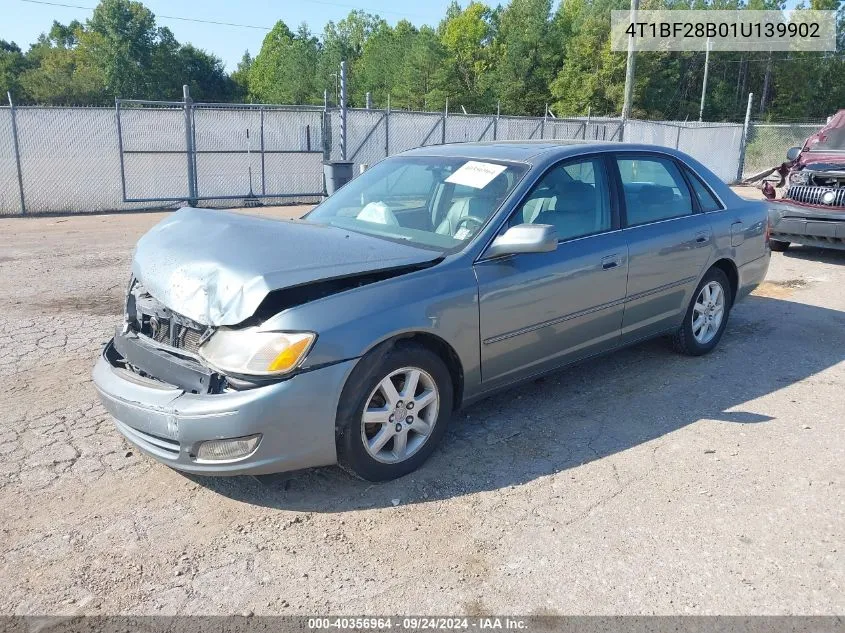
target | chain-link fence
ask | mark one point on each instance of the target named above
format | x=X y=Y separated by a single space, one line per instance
x=375 y=134
x=768 y=143
x=154 y=154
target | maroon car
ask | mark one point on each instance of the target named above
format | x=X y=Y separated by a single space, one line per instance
x=812 y=210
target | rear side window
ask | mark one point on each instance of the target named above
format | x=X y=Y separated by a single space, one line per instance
x=654 y=189
x=705 y=199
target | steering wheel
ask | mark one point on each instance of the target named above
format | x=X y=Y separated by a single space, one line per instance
x=469 y=218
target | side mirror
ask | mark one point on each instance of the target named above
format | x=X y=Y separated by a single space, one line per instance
x=792 y=153
x=524 y=238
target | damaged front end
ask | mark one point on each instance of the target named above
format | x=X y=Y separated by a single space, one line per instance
x=811 y=207
x=158 y=344
x=204 y=283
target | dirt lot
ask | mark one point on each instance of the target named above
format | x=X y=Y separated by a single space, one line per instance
x=643 y=482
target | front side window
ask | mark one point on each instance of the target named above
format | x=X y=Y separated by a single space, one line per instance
x=433 y=202
x=654 y=190
x=572 y=197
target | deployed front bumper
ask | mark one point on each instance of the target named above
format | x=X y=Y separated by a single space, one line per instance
x=295 y=417
x=809 y=225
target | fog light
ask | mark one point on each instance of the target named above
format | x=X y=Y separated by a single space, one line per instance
x=227 y=450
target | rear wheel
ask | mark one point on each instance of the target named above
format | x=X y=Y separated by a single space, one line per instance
x=706 y=317
x=393 y=411
x=778 y=246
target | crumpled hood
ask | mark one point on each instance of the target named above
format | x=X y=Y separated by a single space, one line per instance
x=216 y=267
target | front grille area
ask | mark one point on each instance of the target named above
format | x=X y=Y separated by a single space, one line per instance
x=808 y=194
x=171 y=333
x=152 y=319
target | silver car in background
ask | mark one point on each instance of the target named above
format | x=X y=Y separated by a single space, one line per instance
x=252 y=345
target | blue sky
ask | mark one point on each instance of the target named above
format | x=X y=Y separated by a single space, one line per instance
x=22 y=22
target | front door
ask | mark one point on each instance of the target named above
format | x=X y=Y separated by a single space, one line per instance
x=540 y=310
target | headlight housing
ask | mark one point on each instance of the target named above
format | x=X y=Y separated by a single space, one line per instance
x=799 y=178
x=252 y=352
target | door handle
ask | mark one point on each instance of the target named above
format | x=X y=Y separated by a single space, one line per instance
x=702 y=237
x=611 y=261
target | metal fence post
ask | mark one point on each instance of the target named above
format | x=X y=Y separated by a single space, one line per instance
x=746 y=128
x=120 y=148
x=445 y=115
x=496 y=120
x=17 y=151
x=261 y=125
x=387 y=129
x=326 y=136
x=343 y=110
x=543 y=124
x=190 y=149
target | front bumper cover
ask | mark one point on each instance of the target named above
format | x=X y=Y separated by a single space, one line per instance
x=296 y=418
x=805 y=224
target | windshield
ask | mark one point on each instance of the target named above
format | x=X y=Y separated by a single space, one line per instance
x=433 y=202
x=832 y=137
x=832 y=140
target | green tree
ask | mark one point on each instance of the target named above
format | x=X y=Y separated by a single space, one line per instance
x=421 y=84
x=592 y=77
x=121 y=39
x=527 y=55
x=205 y=75
x=467 y=36
x=344 y=40
x=240 y=77
x=382 y=63
x=59 y=72
x=12 y=65
x=285 y=68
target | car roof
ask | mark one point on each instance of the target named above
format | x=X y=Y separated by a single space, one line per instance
x=527 y=151
x=540 y=154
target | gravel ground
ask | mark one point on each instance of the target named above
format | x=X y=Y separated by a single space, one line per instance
x=643 y=482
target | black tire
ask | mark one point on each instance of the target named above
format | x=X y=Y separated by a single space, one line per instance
x=777 y=246
x=364 y=379
x=683 y=340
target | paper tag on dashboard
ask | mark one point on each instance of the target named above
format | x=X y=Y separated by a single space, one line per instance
x=462 y=233
x=475 y=174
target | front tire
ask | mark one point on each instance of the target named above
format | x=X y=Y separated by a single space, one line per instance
x=706 y=317
x=393 y=411
x=777 y=246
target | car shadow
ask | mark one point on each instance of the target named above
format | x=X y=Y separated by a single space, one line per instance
x=813 y=253
x=585 y=412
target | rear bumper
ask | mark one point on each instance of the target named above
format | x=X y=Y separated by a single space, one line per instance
x=813 y=226
x=752 y=274
x=295 y=417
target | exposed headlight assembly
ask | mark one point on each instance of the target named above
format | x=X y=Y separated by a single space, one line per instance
x=799 y=178
x=251 y=352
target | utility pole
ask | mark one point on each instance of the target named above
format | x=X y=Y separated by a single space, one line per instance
x=766 y=80
x=745 y=131
x=704 y=83
x=629 y=70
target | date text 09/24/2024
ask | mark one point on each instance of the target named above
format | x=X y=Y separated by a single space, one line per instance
x=417 y=623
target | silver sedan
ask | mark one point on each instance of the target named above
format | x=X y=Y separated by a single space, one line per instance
x=252 y=345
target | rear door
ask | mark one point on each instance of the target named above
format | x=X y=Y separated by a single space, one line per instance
x=540 y=310
x=669 y=241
